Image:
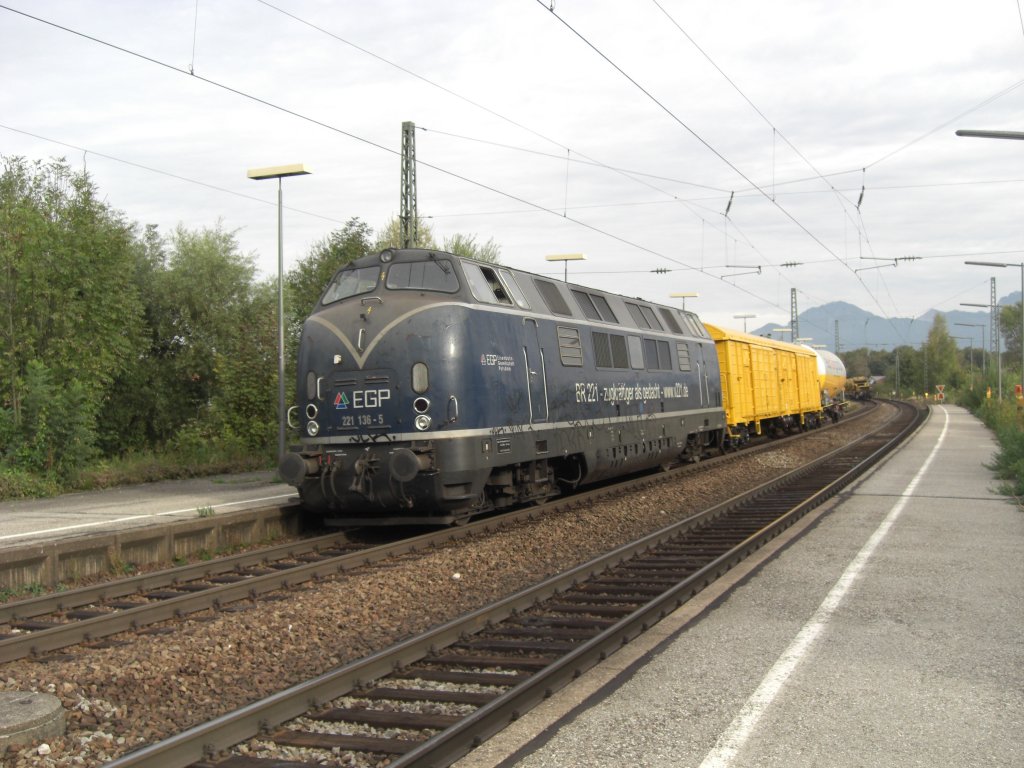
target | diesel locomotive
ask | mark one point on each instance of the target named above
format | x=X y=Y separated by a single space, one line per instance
x=432 y=387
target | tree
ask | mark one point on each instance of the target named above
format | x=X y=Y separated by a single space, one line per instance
x=243 y=406
x=941 y=355
x=209 y=365
x=466 y=245
x=390 y=235
x=69 y=309
x=1009 y=328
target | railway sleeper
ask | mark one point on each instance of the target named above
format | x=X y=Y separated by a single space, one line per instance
x=496 y=679
x=330 y=741
x=475 y=698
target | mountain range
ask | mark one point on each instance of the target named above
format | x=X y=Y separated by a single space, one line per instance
x=859 y=328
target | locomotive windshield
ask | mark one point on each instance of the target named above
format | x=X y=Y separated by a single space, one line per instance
x=351 y=282
x=430 y=275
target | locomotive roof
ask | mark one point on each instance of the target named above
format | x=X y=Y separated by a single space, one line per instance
x=539 y=294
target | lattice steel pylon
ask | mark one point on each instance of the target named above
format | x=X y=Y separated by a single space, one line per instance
x=408 y=218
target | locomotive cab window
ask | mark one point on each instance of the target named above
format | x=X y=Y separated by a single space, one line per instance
x=351 y=282
x=430 y=275
x=696 y=326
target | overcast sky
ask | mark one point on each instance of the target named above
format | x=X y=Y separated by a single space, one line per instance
x=620 y=130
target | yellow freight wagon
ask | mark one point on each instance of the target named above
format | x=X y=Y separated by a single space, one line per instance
x=767 y=385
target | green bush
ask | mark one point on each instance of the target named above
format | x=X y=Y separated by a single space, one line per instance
x=1009 y=463
x=19 y=484
x=1007 y=422
x=57 y=432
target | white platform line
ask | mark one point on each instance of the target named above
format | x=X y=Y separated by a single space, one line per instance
x=739 y=731
x=114 y=520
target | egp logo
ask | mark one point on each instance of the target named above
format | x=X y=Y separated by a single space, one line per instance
x=370 y=398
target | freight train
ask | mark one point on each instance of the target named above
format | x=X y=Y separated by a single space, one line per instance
x=432 y=388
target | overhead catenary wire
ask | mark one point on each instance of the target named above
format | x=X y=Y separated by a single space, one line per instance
x=168 y=174
x=661 y=105
x=314 y=121
x=686 y=230
x=625 y=173
x=455 y=94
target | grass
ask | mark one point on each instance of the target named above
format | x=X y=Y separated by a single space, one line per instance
x=130 y=469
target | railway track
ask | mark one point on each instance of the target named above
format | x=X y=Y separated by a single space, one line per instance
x=93 y=615
x=433 y=697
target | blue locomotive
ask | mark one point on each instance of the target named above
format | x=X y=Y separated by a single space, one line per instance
x=433 y=387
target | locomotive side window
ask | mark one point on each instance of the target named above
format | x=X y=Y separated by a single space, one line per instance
x=657 y=355
x=430 y=275
x=485 y=284
x=351 y=282
x=586 y=305
x=619 y=357
x=594 y=306
x=652 y=321
x=602 y=350
x=637 y=315
x=644 y=316
x=610 y=350
x=513 y=288
x=604 y=308
x=569 y=347
x=556 y=302
x=670 y=321
x=636 y=352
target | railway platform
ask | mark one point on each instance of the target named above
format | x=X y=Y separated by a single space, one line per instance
x=75 y=514
x=890 y=633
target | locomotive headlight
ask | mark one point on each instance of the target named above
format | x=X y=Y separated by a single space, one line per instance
x=420 y=378
x=422 y=422
x=312 y=429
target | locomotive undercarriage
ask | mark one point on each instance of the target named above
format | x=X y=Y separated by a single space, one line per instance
x=390 y=484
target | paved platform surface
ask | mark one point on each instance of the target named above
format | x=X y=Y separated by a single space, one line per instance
x=31 y=520
x=890 y=634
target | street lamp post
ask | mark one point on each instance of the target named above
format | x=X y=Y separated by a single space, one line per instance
x=1020 y=266
x=684 y=297
x=565 y=258
x=260 y=174
x=744 y=318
